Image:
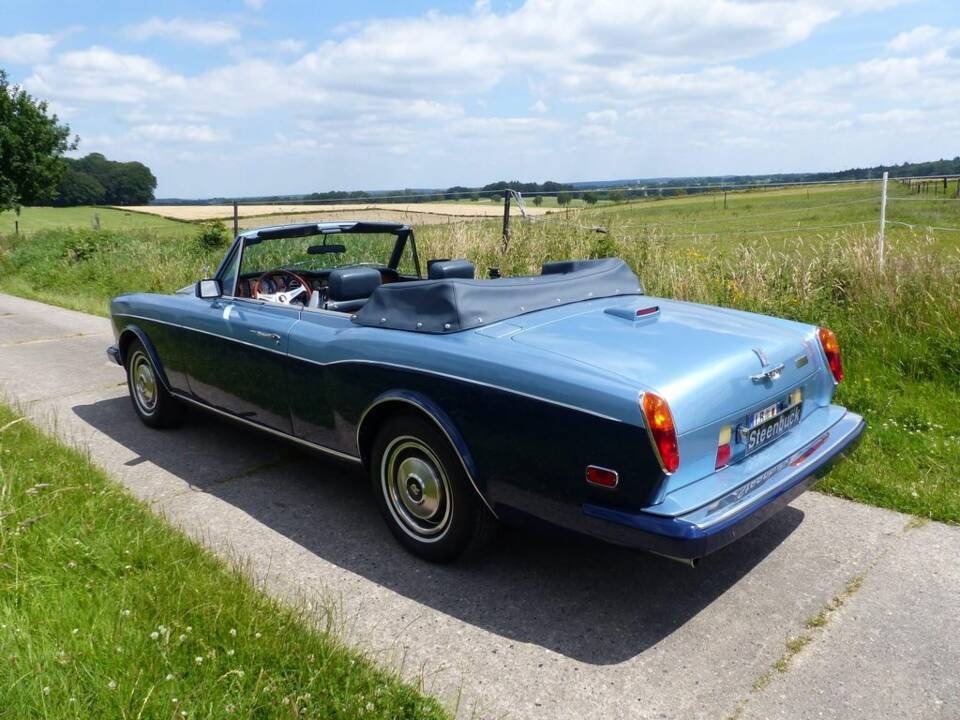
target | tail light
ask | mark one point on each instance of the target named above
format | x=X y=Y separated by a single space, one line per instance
x=663 y=433
x=723 y=447
x=831 y=349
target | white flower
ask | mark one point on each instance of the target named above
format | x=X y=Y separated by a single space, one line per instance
x=233 y=632
x=46 y=690
x=198 y=660
x=257 y=636
x=75 y=631
x=112 y=684
x=230 y=652
x=370 y=707
x=154 y=635
x=182 y=638
x=169 y=676
x=125 y=613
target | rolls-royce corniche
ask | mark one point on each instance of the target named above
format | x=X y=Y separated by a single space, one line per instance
x=569 y=397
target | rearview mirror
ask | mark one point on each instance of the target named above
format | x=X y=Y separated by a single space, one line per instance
x=208 y=289
x=324 y=249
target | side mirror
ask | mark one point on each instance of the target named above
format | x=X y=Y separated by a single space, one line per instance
x=208 y=289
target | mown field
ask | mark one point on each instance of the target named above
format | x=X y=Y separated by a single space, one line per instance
x=107 y=612
x=898 y=326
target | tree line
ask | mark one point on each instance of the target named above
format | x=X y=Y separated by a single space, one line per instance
x=35 y=171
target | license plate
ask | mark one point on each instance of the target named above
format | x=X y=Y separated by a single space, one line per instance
x=771 y=428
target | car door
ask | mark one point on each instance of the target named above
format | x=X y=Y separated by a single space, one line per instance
x=237 y=363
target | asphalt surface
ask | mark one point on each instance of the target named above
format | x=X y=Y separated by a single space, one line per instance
x=541 y=626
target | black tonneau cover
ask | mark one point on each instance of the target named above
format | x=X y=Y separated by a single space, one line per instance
x=450 y=305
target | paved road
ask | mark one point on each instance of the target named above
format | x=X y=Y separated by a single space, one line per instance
x=541 y=627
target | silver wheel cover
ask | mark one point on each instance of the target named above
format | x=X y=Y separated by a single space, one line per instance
x=143 y=381
x=416 y=489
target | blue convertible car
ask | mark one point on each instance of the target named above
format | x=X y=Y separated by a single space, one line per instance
x=570 y=396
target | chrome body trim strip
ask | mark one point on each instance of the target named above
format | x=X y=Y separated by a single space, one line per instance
x=381 y=363
x=272 y=431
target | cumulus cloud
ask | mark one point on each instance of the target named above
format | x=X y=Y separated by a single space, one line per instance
x=187 y=133
x=195 y=31
x=26 y=49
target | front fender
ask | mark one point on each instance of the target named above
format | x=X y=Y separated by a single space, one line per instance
x=128 y=335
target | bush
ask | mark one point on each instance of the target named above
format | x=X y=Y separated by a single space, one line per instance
x=213 y=235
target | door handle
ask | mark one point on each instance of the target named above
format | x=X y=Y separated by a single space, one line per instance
x=269 y=335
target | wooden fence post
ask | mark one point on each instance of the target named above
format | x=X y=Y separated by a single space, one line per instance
x=506 y=219
x=236 y=220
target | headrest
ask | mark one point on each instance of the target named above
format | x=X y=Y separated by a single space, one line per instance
x=451 y=269
x=353 y=283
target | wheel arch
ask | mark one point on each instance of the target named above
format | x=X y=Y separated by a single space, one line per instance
x=395 y=402
x=134 y=332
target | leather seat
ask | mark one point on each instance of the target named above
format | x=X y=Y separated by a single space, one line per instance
x=349 y=288
x=442 y=269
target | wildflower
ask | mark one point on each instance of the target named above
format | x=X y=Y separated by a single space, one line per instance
x=174 y=701
x=46 y=690
x=182 y=638
x=112 y=684
x=286 y=700
x=71 y=564
x=233 y=632
x=125 y=613
x=198 y=660
x=75 y=631
x=370 y=707
x=169 y=676
x=189 y=629
x=257 y=636
x=230 y=652
x=154 y=635
x=230 y=708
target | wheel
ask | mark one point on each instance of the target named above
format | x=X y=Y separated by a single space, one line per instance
x=155 y=406
x=424 y=493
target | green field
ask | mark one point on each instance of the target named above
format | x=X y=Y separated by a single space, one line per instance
x=772 y=251
x=107 y=612
x=32 y=220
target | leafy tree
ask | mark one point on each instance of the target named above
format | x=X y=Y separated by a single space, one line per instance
x=563 y=198
x=78 y=188
x=32 y=144
x=538 y=200
x=125 y=183
x=590 y=198
x=617 y=196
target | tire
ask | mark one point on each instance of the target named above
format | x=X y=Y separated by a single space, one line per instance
x=156 y=407
x=423 y=491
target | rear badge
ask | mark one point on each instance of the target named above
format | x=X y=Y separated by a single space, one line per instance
x=801 y=361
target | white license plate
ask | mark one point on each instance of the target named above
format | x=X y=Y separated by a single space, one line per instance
x=772 y=428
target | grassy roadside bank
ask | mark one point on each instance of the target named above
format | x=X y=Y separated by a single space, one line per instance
x=105 y=611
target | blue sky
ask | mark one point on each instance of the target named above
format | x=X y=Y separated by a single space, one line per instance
x=243 y=97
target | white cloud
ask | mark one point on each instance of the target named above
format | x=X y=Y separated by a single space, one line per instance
x=602 y=117
x=186 y=133
x=539 y=107
x=26 y=49
x=255 y=4
x=213 y=32
x=924 y=38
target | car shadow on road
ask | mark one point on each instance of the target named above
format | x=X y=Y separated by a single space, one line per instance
x=586 y=600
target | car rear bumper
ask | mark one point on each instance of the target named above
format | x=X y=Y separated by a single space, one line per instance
x=708 y=528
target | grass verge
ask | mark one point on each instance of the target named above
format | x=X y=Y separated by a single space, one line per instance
x=105 y=611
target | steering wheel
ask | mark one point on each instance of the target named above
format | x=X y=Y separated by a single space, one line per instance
x=285 y=296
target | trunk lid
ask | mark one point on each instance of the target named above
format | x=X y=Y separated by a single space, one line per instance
x=701 y=359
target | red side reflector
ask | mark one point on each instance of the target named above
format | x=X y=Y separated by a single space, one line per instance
x=602 y=476
x=723 y=456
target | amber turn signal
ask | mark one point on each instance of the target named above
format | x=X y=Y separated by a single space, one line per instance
x=662 y=432
x=831 y=349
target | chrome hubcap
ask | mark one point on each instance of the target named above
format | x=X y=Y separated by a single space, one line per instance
x=416 y=488
x=144 y=383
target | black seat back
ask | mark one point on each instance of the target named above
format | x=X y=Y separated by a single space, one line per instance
x=349 y=288
x=442 y=269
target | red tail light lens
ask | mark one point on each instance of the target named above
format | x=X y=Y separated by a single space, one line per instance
x=604 y=477
x=663 y=434
x=831 y=348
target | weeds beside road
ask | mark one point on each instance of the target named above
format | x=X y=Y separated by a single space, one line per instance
x=107 y=612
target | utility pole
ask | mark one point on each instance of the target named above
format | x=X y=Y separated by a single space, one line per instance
x=883 y=217
x=506 y=219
